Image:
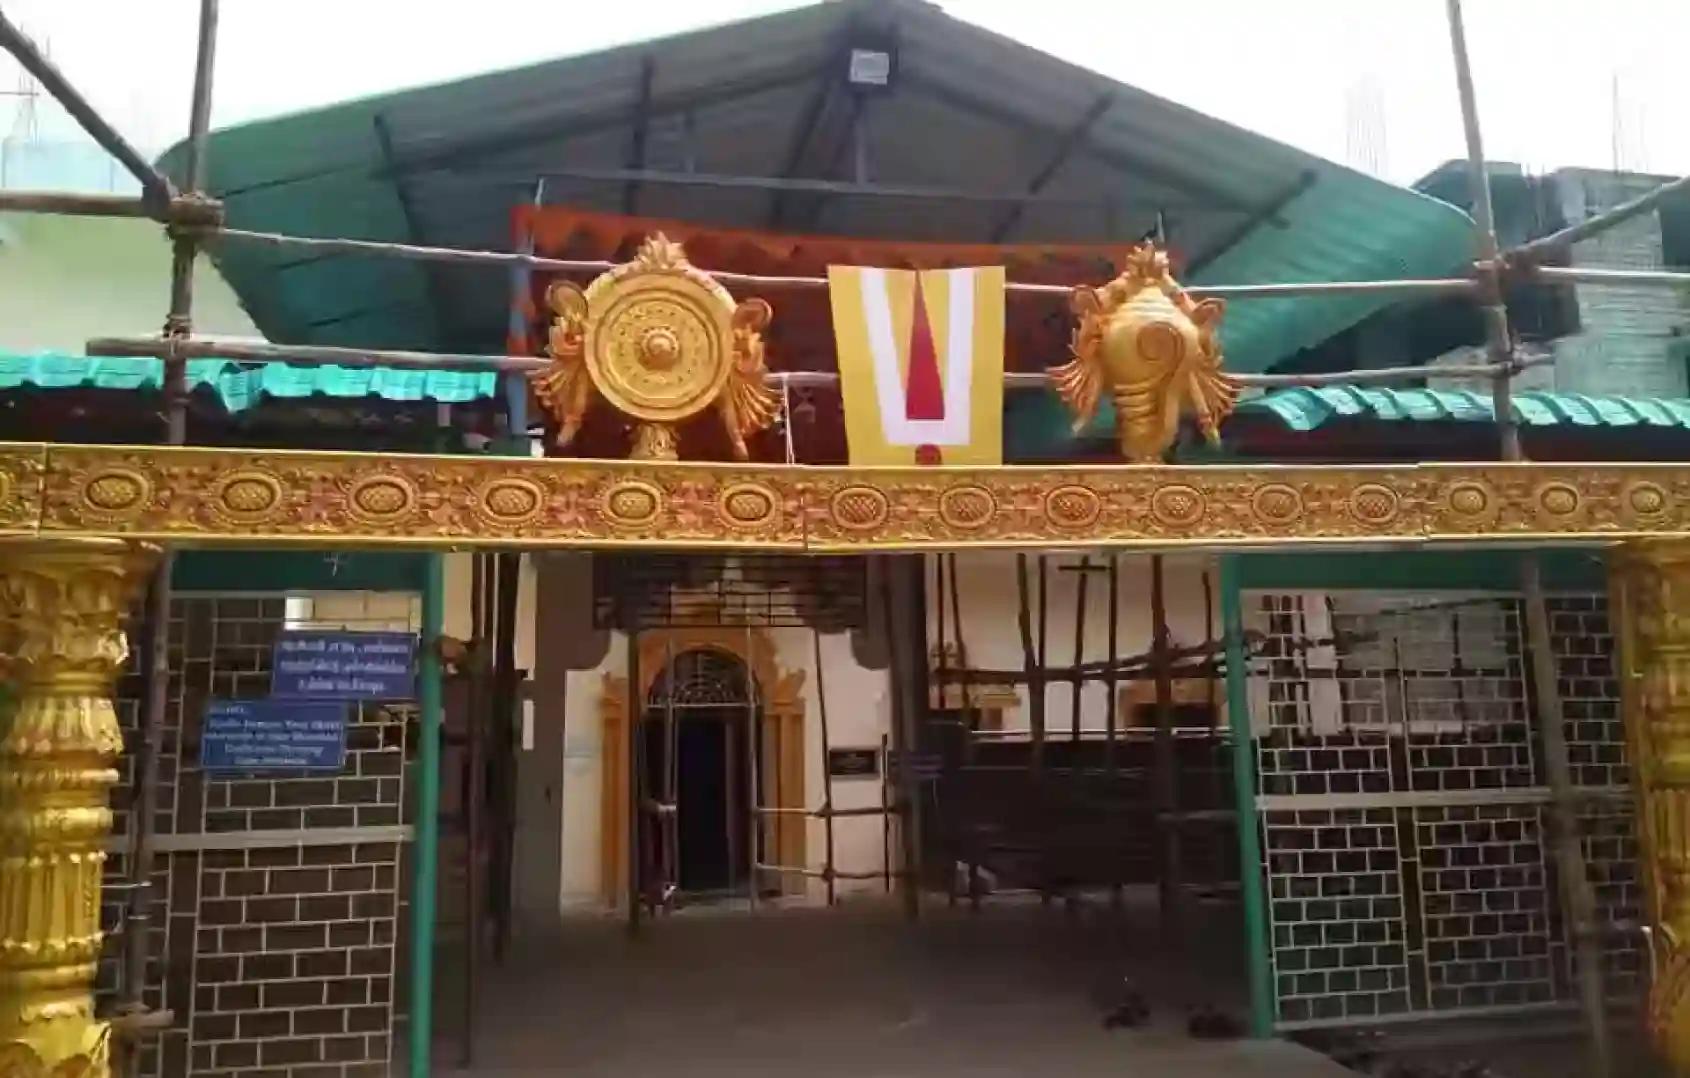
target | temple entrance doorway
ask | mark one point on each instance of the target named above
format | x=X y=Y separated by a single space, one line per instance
x=699 y=715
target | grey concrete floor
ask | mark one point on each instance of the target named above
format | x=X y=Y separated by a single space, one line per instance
x=855 y=991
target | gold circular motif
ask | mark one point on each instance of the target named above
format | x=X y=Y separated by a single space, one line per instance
x=859 y=508
x=747 y=505
x=510 y=501
x=1647 y=499
x=381 y=499
x=114 y=493
x=966 y=507
x=1469 y=499
x=659 y=343
x=1276 y=503
x=1177 y=505
x=1072 y=506
x=1558 y=499
x=632 y=503
x=1374 y=503
x=247 y=496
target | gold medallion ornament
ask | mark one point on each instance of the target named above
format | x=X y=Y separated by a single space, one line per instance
x=660 y=341
x=1156 y=349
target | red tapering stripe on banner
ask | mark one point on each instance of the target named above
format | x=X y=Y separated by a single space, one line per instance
x=925 y=397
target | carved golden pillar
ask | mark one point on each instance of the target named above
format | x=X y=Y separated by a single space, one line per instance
x=1651 y=598
x=62 y=606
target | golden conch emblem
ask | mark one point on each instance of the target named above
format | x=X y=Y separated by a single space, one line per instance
x=1157 y=350
x=660 y=341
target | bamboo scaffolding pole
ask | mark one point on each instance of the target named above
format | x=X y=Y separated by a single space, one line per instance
x=181 y=210
x=157 y=188
x=1568 y=845
x=252 y=351
x=1596 y=275
x=829 y=870
x=464 y=256
x=178 y=323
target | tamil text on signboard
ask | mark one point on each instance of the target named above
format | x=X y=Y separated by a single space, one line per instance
x=259 y=735
x=344 y=666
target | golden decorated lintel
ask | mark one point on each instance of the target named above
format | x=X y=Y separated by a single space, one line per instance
x=660 y=341
x=1155 y=348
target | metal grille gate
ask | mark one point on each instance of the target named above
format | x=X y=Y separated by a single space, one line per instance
x=1404 y=808
x=277 y=900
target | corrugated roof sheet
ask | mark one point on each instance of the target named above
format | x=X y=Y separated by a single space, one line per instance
x=968 y=109
x=239 y=386
x=1308 y=408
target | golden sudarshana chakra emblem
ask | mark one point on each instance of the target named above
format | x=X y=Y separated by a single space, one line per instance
x=660 y=341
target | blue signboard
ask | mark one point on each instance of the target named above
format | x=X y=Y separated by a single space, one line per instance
x=344 y=666
x=264 y=735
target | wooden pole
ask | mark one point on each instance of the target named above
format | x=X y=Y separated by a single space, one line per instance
x=1164 y=786
x=178 y=323
x=829 y=871
x=1079 y=653
x=1568 y=846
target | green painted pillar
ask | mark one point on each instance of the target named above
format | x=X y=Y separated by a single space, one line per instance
x=1244 y=794
x=426 y=845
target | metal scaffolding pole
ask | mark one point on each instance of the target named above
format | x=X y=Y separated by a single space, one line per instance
x=1567 y=844
x=178 y=323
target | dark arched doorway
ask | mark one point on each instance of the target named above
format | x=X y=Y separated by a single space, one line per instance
x=696 y=828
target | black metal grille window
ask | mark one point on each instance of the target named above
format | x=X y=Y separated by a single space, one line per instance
x=646 y=591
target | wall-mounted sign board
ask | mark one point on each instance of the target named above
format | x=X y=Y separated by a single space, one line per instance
x=854 y=763
x=344 y=666
x=273 y=735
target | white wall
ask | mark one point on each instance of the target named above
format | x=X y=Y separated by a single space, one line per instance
x=989 y=601
x=66 y=279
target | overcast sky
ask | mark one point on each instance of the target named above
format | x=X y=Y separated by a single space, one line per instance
x=1364 y=82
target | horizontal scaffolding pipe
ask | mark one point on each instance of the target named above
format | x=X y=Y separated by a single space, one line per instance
x=799 y=184
x=180 y=210
x=464 y=256
x=1593 y=275
x=1558 y=242
x=304 y=355
x=158 y=189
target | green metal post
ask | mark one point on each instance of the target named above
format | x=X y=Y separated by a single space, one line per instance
x=426 y=847
x=1244 y=793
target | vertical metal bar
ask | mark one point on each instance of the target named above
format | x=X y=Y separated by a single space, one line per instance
x=1111 y=689
x=1030 y=666
x=754 y=779
x=149 y=744
x=1244 y=798
x=509 y=576
x=895 y=585
x=1489 y=270
x=426 y=844
x=827 y=772
x=636 y=773
x=886 y=811
x=481 y=595
x=1165 y=791
x=1079 y=653
x=668 y=819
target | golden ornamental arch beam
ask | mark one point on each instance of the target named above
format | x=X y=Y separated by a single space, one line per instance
x=207 y=496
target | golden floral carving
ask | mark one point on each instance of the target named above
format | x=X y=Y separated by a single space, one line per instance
x=1156 y=348
x=343 y=499
x=660 y=341
x=1651 y=585
x=62 y=606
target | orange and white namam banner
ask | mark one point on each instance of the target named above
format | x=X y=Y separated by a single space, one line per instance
x=920 y=363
